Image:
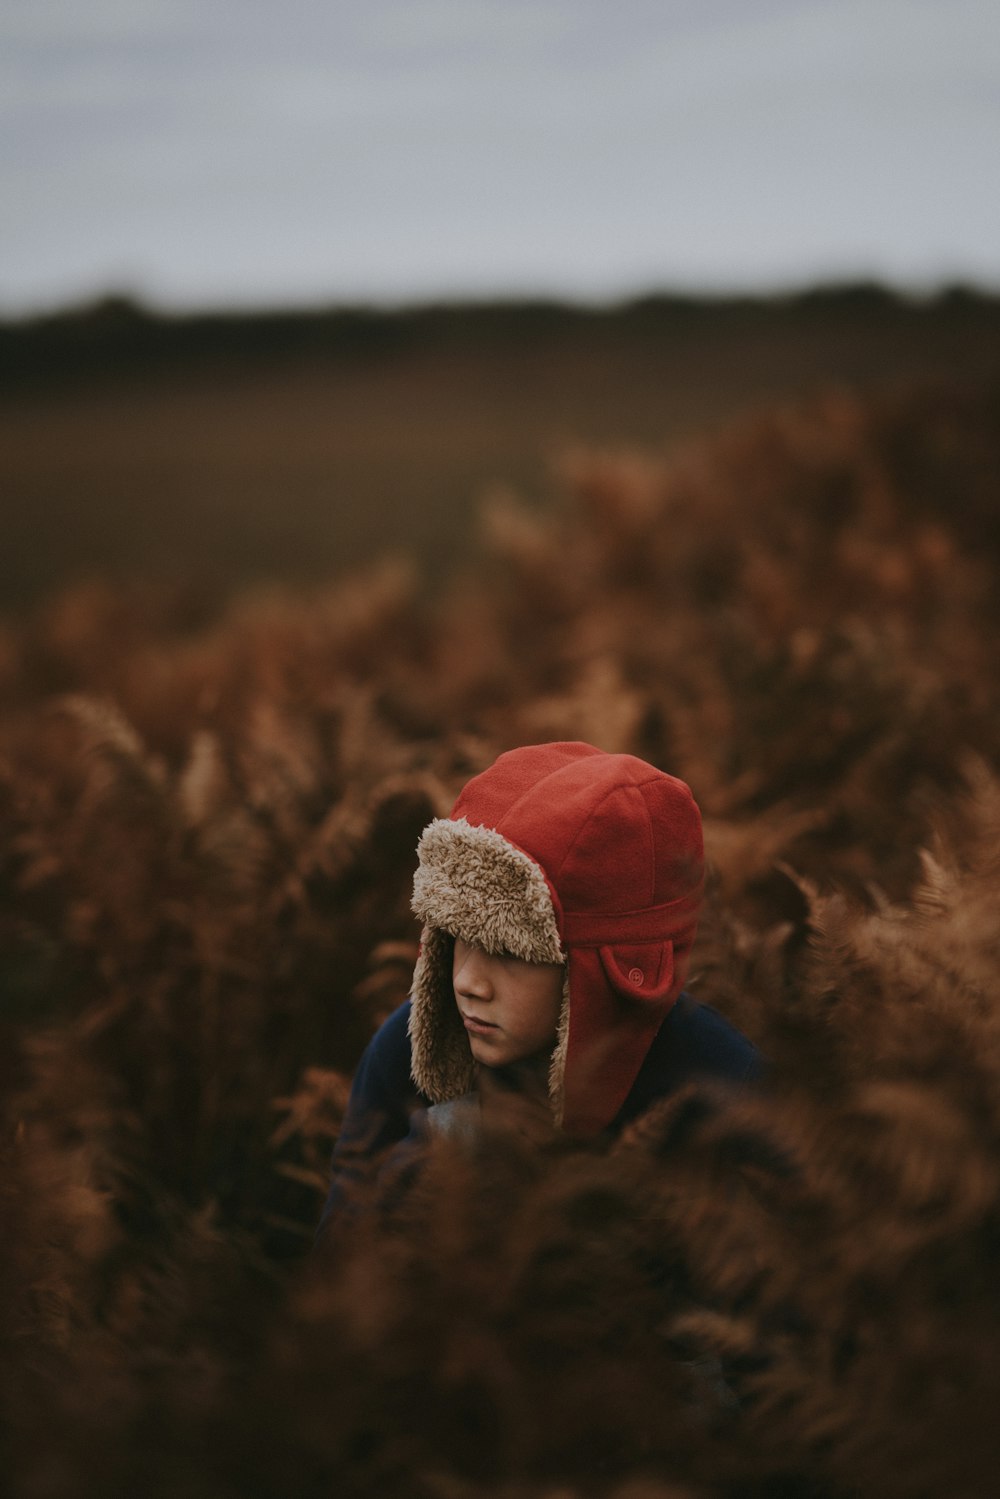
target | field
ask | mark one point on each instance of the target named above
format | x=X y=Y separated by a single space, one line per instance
x=218 y=453
x=209 y=816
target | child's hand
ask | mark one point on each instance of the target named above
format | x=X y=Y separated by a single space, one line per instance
x=459 y=1119
x=495 y=1107
x=519 y=1110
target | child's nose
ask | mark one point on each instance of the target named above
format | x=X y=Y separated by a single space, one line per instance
x=473 y=977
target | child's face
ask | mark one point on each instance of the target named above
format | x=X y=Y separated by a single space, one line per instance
x=510 y=1007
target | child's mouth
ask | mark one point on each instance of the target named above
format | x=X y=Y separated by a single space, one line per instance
x=478 y=1027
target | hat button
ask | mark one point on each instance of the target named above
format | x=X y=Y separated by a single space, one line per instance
x=636 y=976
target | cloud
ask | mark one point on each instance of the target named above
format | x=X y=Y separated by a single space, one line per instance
x=423 y=141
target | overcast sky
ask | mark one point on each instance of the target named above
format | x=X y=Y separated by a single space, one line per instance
x=197 y=153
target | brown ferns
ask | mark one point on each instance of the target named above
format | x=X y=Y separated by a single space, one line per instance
x=208 y=840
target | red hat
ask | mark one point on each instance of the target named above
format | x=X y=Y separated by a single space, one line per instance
x=561 y=853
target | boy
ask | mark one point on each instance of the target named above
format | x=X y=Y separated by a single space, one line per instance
x=559 y=903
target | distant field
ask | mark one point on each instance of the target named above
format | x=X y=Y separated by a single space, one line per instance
x=240 y=451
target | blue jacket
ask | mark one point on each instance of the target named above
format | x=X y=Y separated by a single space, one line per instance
x=693 y=1043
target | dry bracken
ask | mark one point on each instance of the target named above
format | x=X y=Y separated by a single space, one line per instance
x=208 y=843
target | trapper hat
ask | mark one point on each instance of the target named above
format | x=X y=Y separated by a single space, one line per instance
x=561 y=853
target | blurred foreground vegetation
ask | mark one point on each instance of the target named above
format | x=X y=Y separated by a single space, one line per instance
x=208 y=840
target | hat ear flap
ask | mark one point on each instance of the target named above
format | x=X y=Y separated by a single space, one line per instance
x=441 y=1062
x=619 y=996
x=641 y=972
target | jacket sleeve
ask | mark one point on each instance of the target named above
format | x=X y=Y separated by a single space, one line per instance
x=379 y=1112
x=694 y=1044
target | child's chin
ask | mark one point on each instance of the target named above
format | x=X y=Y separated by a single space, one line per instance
x=491 y=1051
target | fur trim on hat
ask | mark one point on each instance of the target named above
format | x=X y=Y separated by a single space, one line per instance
x=474 y=884
x=471 y=883
x=557 y=1066
x=442 y=1065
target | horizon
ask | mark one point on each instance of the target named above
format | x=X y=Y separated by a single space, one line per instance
x=112 y=301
